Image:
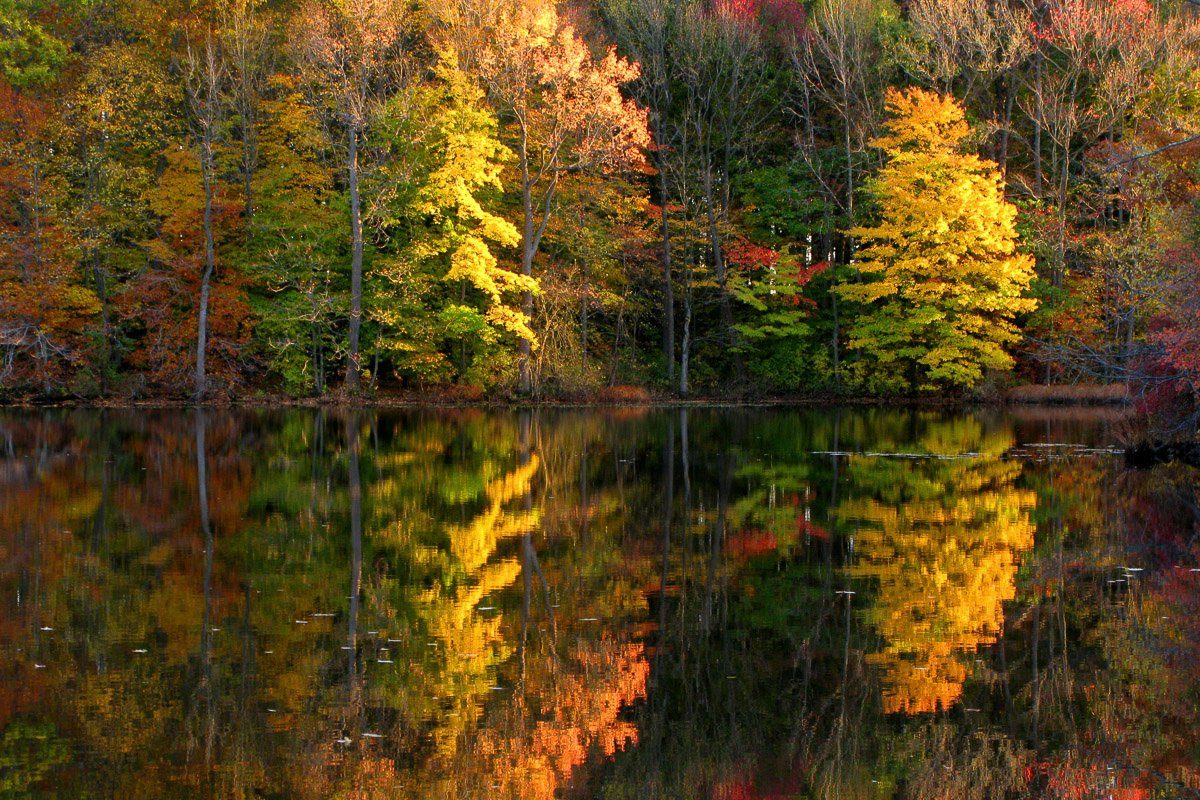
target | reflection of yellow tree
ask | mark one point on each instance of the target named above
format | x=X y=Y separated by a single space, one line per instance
x=526 y=739
x=941 y=534
x=471 y=643
x=449 y=683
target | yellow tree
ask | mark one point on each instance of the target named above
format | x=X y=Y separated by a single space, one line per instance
x=565 y=108
x=941 y=276
x=444 y=177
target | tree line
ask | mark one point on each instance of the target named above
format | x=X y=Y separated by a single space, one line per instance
x=232 y=198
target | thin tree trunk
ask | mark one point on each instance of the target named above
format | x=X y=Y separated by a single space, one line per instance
x=353 y=370
x=718 y=255
x=527 y=252
x=685 y=350
x=668 y=330
x=583 y=320
x=100 y=278
x=355 y=486
x=210 y=257
x=1010 y=97
x=1037 y=128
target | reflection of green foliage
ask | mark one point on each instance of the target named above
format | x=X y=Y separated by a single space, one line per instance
x=779 y=600
x=29 y=751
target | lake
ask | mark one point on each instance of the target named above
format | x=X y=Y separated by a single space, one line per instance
x=631 y=603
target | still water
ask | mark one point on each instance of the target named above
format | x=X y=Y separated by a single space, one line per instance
x=701 y=603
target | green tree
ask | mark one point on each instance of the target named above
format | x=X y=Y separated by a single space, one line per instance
x=297 y=252
x=941 y=278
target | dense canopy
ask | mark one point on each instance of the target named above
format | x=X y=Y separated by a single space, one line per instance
x=230 y=198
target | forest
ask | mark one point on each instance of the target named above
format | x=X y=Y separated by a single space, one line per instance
x=236 y=199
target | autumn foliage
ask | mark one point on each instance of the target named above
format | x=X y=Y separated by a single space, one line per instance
x=374 y=198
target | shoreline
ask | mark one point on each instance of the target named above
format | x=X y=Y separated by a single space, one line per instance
x=444 y=402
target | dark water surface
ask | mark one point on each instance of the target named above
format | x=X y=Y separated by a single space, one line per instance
x=727 y=604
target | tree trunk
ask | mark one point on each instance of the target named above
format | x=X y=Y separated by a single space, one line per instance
x=528 y=246
x=668 y=330
x=685 y=350
x=210 y=257
x=1010 y=97
x=583 y=321
x=247 y=179
x=353 y=370
x=1037 y=128
x=719 y=270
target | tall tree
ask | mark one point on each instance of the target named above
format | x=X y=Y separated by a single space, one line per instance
x=976 y=48
x=206 y=75
x=447 y=298
x=646 y=30
x=246 y=43
x=941 y=276
x=352 y=49
x=843 y=62
x=297 y=253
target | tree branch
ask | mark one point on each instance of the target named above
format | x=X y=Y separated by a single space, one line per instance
x=1158 y=150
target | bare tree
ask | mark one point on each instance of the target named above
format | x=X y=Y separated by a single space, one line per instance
x=726 y=74
x=975 y=47
x=839 y=62
x=246 y=42
x=646 y=30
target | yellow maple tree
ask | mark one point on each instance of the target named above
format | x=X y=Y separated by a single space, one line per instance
x=940 y=278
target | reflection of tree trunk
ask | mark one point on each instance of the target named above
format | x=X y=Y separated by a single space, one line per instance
x=524 y=424
x=668 y=509
x=1008 y=702
x=355 y=485
x=714 y=554
x=841 y=732
x=100 y=520
x=247 y=645
x=1037 y=683
x=685 y=459
x=584 y=501
x=206 y=630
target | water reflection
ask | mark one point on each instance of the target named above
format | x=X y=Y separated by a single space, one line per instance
x=687 y=603
x=938 y=529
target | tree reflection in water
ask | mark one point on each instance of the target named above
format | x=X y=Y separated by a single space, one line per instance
x=684 y=603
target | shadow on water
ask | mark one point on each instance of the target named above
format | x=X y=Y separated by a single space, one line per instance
x=686 y=603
